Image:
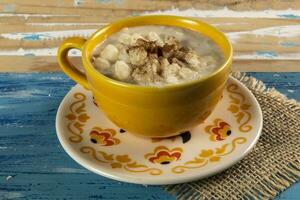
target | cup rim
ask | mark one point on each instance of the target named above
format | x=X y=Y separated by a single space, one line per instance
x=123 y=23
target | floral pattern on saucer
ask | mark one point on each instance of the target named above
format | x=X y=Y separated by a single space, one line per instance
x=222 y=139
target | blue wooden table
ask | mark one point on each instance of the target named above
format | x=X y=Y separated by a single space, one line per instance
x=33 y=164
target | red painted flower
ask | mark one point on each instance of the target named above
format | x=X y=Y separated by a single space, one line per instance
x=219 y=131
x=104 y=137
x=163 y=155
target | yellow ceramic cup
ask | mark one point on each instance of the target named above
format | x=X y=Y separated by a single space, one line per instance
x=145 y=110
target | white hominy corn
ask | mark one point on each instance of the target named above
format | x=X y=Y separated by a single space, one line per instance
x=138 y=56
x=110 y=52
x=193 y=60
x=152 y=36
x=170 y=40
x=121 y=70
x=125 y=38
x=171 y=79
x=134 y=38
x=101 y=63
x=186 y=73
x=154 y=65
x=179 y=35
x=207 y=61
x=156 y=55
x=164 y=63
x=123 y=55
x=171 y=70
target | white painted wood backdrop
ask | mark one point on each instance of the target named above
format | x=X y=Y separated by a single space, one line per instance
x=265 y=34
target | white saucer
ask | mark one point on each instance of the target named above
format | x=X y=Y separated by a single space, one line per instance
x=225 y=137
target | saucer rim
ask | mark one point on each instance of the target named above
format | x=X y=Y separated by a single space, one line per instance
x=150 y=180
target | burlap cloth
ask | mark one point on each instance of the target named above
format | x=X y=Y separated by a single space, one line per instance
x=273 y=164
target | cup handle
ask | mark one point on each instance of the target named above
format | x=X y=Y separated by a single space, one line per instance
x=67 y=67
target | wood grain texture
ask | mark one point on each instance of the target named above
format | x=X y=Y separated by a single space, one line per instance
x=33 y=165
x=265 y=34
x=136 y=5
x=31 y=63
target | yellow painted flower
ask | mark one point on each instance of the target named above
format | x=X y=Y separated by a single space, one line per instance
x=82 y=117
x=116 y=165
x=163 y=155
x=209 y=154
x=123 y=158
x=206 y=153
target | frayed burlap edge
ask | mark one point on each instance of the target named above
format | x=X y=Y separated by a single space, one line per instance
x=258 y=86
x=270 y=186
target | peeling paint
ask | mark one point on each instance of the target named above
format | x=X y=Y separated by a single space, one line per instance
x=277 y=31
x=29 y=52
x=9 y=8
x=110 y=1
x=48 y=35
x=77 y=2
x=66 y=24
x=33 y=36
x=227 y=13
x=26 y=16
x=266 y=54
x=70 y=170
x=288 y=43
x=10 y=195
x=290 y=16
x=37 y=52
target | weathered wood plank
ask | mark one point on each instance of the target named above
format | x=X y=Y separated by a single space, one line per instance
x=228 y=17
x=52 y=23
x=74 y=186
x=31 y=63
x=255 y=44
x=30 y=28
x=265 y=36
x=152 y=4
x=33 y=163
x=254 y=39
